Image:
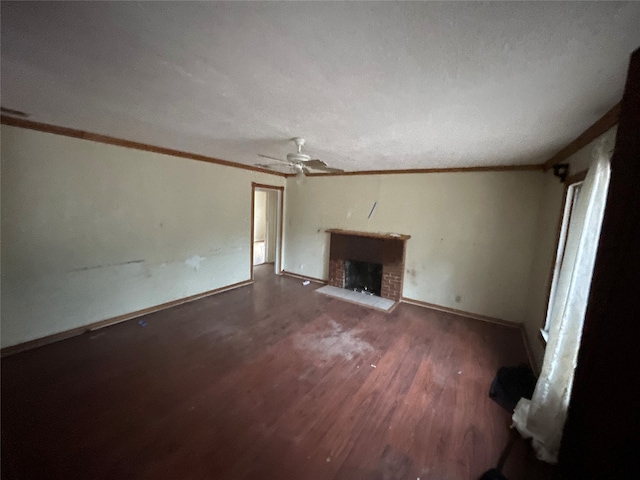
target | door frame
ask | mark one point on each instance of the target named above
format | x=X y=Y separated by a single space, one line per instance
x=279 y=223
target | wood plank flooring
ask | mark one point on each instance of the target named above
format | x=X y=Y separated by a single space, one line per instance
x=269 y=381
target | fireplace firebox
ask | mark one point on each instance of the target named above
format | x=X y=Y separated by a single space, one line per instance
x=363 y=277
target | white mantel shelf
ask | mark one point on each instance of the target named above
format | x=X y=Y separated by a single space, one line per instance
x=385 y=236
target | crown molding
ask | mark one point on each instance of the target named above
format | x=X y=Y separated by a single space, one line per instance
x=494 y=168
x=95 y=137
x=602 y=125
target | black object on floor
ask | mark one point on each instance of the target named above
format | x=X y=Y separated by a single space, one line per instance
x=493 y=474
x=511 y=384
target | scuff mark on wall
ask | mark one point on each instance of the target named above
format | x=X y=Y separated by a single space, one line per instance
x=195 y=262
x=411 y=275
x=372 y=209
x=93 y=267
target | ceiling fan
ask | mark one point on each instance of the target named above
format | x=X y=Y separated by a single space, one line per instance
x=300 y=163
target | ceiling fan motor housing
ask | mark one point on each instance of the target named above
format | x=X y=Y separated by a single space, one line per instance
x=298 y=157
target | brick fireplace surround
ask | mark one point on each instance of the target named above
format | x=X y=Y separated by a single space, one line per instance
x=382 y=248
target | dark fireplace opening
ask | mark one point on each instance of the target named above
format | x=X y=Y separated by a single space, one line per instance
x=363 y=277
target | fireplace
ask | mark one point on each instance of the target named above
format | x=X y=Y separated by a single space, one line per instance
x=359 y=259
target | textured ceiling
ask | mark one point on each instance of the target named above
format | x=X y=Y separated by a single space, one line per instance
x=369 y=85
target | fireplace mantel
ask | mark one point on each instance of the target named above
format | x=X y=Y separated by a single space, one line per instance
x=386 y=249
x=392 y=236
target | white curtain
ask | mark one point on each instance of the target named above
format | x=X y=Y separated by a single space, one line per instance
x=543 y=417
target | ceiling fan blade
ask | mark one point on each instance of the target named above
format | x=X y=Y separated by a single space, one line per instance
x=276 y=168
x=315 y=163
x=320 y=165
x=329 y=169
x=274 y=158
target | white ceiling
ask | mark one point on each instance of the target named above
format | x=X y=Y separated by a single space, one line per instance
x=369 y=85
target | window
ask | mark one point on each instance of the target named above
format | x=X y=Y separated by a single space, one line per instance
x=574 y=186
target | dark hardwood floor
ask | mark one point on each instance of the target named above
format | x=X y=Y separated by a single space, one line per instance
x=269 y=381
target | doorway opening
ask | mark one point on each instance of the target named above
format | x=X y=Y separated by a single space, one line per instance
x=266 y=226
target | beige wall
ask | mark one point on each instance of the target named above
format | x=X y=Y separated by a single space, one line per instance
x=93 y=231
x=472 y=234
x=546 y=238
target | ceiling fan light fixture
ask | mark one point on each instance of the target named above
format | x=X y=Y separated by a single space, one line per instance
x=301 y=177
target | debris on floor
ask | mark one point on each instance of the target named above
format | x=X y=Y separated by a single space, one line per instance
x=306 y=282
x=142 y=323
x=373 y=366
x=335 y=341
